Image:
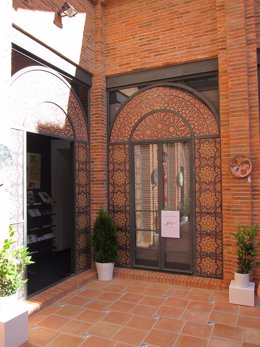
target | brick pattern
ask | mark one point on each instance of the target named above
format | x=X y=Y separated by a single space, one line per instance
x=124 y=36
x=168 y=33
x=98 y=121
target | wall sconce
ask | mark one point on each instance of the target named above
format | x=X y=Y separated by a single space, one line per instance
x=67 y=10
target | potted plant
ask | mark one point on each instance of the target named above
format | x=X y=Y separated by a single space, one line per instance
x=13 y=261
x=105 y=245
x=245 y=237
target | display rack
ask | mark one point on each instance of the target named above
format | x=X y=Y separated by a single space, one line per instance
x=40 y=227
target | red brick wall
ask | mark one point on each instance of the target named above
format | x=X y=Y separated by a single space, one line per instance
x=144 y=35
x=98 y=121
x=124 y=36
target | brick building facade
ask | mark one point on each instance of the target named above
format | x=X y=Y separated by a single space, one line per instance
x=141 y=62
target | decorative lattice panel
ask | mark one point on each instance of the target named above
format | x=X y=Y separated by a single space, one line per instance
x=189 y=107
x=209 y=258
x=82 y=216
x=119 y=198
x=44 y=102
x=165 y=114
x=161 y=125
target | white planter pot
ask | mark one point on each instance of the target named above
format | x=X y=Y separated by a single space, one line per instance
x=241 y=280
x=105 y=271
x=8 y=301
x=13 y=321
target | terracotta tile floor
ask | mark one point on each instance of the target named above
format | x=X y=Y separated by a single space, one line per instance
x=132 y=312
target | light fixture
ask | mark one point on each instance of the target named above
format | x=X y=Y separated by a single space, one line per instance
x=67 y=10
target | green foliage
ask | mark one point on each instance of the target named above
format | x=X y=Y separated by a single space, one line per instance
x=12 y=264
x=104 y=239
x=245 y=247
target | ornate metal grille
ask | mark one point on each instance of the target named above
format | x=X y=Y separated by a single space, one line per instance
x=82 y=215
x=167 y=113
x=209 y=255
x=119 y=198
x=45 y=103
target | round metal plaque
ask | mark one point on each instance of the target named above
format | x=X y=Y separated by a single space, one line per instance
x=240 y=166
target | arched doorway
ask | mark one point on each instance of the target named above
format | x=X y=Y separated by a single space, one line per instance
x=44 y=103
x=165 y=151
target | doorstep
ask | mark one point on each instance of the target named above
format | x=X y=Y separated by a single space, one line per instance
x=52 y=294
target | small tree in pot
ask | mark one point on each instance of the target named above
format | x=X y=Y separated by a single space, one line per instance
x=245 y=237
x=105 y=245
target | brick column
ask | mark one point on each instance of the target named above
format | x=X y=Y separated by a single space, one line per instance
x=239 y=122
x=98 y=121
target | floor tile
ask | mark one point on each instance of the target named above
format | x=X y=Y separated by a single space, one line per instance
x=155 y=292
x=199 y=295
x=131 y=297
x=180 y=293
x=185 y=341
x=228 y=331
x=109 y=296
x=53 y=322
x=137 y=288
x=170 y=324
x=94 y=341
x=160 y=338
x=139 y=322
x=129 y=312
x=89 y=293
x=249 y=311
x=226 y=307
x=66 y=340
x=100 y=305
x=175 y=302
x=152 y=301
x=104 y=329
x=41 y=336
x=121 y=306
x=252 y=336
x=117 y=317
x=143 y=310
x=195 y=329
x=69 y=311
x=249 y=322
x=130 y=336
x=172 y=312
x=91 y=316
x=76 y=327
x=216 y=341
x=195 y=316
x=223 y=318
x=200 y=306
x=77 y=300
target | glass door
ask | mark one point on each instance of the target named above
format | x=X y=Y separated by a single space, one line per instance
x=162 y=179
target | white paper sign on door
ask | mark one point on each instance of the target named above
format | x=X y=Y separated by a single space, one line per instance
x=170 y=224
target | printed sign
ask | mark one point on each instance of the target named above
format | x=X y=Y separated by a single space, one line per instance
x=170 y=224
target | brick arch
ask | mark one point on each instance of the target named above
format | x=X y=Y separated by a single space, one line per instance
x=170 y=112
x=177 y=100
x=43 y=102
